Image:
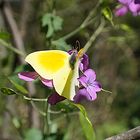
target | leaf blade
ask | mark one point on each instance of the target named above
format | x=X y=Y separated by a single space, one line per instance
x=85 y=123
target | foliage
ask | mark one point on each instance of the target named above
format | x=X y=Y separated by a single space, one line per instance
x=115 y=54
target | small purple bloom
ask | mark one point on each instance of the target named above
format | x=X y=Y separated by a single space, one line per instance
x=72 y=51
x=134 y=8
x=84 y=65
x=55 y=98
x=124 y=1
x=83 y=95
x=128 y=5
x=28 y=76
x=31 y=76
x=137 y=1
x=47 y=83
x=121 y=11
x=90 y=86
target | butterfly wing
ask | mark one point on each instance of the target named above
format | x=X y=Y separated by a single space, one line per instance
x=72 y=82
x=51 y=64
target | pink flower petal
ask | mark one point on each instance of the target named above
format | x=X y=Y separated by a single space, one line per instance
x=137 y=1
x=91 y=91
x=134 y=8
x=28 y=76
x=84 y=63
x=97 y=86
x=82 y=95
x=48 y=83
x=125 y=1
x=121 y=11
x=83 y=80
x=89 y=73
x=55 y=98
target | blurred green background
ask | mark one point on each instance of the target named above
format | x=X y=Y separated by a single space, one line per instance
x=115 y=56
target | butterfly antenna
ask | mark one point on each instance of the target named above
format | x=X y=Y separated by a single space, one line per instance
x=77 y=45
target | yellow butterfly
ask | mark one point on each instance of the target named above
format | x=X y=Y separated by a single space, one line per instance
x=55 y=65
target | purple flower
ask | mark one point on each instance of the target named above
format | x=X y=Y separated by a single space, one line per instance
x=137 y=1
x=90 y=86
x=31 y=76
x=128 y=5
x=124 y=1
x=82 y=95
x=84 y=64
x=28 y=76
x=134 y=8
x=121 y=11
x=55 y=98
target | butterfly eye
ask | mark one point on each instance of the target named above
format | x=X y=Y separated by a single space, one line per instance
x=73 y=59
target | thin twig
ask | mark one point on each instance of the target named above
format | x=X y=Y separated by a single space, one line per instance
x=35 y=99
x=10 y=47
x=37 y=109
x=9 y=19
x=107 y=91
x=94 y=36
x=133 y=134
x=88 y=20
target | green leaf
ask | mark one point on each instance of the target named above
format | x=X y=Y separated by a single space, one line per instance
x=85 y=123
x=52 y=22
x=47 y=21
x=61 y=44
x=65 y=107
x=19 y=87
x=7 y=91
x=17 y=83
x=57 y=23
x=126 y=28
x=50 y=30
x=33 y=134
x=108 y=14
x=4 y=35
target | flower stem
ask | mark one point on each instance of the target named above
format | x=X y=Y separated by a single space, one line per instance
x=35 y=99
x=104 y=90
x=88 y=20
x=8 y=46
x=94 y=36
x=45 y=118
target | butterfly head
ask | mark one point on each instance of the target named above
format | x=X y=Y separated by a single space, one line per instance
x=75 y=56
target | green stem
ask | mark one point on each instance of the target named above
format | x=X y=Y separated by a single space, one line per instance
x=49 y=117
x=72 y=33
x=94 y=36
x=8 y=46
x=90 y=15
x=37 y=109
x=104 y=90
x=45 y=118
x=35 y=99
x=88 y=20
